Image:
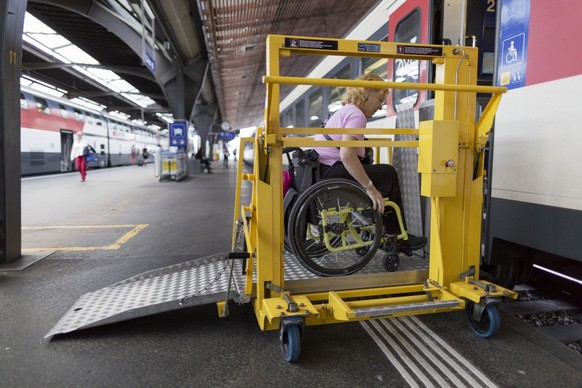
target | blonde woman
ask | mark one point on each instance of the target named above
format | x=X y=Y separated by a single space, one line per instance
x=379 y=180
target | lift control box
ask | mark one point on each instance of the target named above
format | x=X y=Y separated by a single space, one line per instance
x=438 y=157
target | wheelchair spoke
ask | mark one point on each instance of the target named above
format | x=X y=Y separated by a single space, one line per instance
x=330 y=234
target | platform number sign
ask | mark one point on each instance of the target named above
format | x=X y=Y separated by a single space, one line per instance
x=179 y=133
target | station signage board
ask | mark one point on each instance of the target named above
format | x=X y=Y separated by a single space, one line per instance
x=178 y=133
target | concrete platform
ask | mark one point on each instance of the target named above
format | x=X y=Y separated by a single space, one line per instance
x=188 y=220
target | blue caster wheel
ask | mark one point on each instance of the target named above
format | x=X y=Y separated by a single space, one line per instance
x=483 y=322
x=291 y=342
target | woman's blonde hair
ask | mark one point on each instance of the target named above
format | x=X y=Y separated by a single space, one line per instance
x=359 y=95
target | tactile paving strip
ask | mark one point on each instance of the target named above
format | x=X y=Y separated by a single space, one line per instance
x=196 y=282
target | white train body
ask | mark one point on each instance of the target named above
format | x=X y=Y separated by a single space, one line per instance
x=48 y=125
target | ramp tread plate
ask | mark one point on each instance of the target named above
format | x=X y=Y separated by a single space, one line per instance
x=195 y=282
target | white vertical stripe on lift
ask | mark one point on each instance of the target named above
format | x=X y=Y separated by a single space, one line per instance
x=389 y=355
x=410 y=363
x=394 y=325
x=453 y=352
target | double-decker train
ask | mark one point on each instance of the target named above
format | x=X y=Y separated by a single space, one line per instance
x=533 y=197
x=48 y=125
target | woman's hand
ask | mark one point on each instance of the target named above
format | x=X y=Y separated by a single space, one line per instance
x=349 y=158
x=376 y=198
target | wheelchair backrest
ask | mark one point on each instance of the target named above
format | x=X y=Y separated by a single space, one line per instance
x=304 y=169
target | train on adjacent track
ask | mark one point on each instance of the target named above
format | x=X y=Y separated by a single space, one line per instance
x=48 y=125
x=533 y=198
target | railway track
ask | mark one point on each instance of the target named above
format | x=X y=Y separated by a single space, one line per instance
x=552 y=305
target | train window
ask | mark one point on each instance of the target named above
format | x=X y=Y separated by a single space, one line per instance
x=42 y=105
x=315 y=108
x=300 y=114
x=78 y=115
x=64 y=111
x=23 y=102
x=336 y=92
x=89 y=118
x=375 y=66
x=406 y=70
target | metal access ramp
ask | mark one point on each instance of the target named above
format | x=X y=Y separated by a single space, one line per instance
x=205 y=281
x=192 y=283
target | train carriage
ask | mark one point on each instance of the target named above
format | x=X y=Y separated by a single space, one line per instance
x=48 y=125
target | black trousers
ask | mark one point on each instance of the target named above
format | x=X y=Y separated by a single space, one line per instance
x=385 y=179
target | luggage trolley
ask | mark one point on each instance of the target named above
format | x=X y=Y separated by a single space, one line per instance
x=450 y=149
x=173 y=165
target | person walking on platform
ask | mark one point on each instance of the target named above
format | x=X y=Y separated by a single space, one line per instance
x=225 y=155
x=133 y=154
x=78 y=152
x=145 y=155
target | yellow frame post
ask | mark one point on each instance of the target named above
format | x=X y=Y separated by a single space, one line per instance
x=449 y=146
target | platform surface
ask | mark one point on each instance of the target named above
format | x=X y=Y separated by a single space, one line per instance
x=189 y=220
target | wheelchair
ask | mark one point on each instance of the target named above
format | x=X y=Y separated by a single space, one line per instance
x=331 y=226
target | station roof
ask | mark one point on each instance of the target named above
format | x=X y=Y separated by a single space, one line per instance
x=217 y=46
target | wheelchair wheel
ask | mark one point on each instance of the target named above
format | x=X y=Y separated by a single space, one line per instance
x=333 y=229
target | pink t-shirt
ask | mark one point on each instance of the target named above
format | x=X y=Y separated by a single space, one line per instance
x=348 y=116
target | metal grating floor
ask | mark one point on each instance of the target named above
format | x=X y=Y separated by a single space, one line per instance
x=197 y=282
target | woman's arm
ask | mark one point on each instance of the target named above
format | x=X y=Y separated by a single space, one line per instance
x=349 y=157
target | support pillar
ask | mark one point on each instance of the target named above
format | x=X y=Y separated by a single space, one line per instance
x=11 y=24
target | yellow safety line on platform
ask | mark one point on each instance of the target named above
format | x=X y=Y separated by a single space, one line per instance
x=136 y=228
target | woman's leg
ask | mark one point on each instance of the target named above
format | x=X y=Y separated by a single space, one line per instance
x=385 y=179
x=82 y=167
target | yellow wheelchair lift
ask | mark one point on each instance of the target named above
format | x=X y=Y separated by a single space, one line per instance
x=451 y=165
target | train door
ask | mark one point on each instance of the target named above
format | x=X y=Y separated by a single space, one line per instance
x=454 y=22
x=66 y=146
x=408 y=24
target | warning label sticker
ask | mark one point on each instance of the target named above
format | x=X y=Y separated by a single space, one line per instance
x=369 y=47
x=419 y=50
x=311 y=44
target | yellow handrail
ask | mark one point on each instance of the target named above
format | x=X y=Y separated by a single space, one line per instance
x=381 y=84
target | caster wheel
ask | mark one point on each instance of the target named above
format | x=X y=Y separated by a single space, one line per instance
x=291 y=342
x=483 y=322
x=391 y=262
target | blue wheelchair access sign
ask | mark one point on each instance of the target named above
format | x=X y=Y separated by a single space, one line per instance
x=513 y=43
x=179 y=133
